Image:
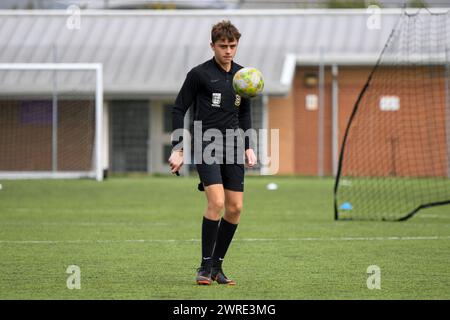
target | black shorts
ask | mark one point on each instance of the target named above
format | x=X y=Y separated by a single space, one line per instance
x=230 y=175
x=222 y=170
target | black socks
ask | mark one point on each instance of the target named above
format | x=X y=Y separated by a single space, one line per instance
x=224 y=236
x=209 y=235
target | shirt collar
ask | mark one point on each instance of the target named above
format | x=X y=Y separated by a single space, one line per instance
x=221 y=69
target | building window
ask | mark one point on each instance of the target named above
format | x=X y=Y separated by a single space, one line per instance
x=129 y=134
x=389 y=103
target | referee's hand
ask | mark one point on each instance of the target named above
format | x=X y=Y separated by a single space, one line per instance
x=176 y=161
x=250 y=158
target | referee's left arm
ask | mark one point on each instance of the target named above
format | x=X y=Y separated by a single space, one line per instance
x=245 y=123
x=245 y=120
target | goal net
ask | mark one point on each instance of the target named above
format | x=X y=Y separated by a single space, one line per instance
x=395 y=155
x=50 y=121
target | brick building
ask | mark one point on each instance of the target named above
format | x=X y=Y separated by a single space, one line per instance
x=315 y=64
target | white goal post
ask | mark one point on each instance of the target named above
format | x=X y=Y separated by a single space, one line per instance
x=95 y=170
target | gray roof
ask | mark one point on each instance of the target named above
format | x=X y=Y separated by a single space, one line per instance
x=149 y=52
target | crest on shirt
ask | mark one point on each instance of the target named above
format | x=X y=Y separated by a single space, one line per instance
x=237 y=101
x=216 y=99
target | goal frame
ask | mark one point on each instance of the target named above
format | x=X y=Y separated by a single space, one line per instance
x=97 y=172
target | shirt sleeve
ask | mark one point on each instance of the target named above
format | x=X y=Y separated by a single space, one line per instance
x=184 y=100
x=245 y=120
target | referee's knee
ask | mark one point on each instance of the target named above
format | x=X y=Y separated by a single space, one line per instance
x=234 y=208
x=216 y=205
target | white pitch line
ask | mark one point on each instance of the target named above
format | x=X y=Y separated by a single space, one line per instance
x=433 y=216
x=244 y=239
x=95 y=241
x=354 y=239
x=83 y=224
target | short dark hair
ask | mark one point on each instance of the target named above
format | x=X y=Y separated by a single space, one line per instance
x=224 y=30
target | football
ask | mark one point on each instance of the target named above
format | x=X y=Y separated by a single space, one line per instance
x=248 y=82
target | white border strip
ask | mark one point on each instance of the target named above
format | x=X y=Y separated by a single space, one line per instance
x=288 y=71
x=366 y=59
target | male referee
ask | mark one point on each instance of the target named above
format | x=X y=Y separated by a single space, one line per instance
x=208 y=87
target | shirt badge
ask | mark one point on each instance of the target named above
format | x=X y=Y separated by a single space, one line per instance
x=237 y=102
x=216 y=99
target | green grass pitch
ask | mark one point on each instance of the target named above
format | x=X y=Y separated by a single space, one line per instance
x=139 y=238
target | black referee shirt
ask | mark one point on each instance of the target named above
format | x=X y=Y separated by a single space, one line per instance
x=209 y=88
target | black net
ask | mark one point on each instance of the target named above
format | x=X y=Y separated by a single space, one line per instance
x=395 y=156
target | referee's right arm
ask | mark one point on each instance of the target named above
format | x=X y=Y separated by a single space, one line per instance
x=183 y=101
